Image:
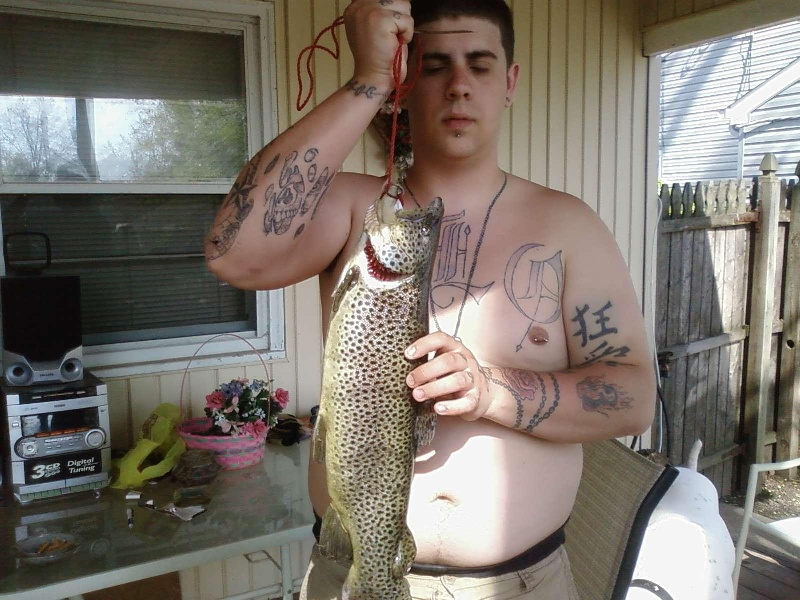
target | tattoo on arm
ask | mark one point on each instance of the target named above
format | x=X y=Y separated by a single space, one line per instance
x=361 y=89
x=239 y=204
x=524 y=386
x=592 y=327
x=300 y=189
x=597 y=395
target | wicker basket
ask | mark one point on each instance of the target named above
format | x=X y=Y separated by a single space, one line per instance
x=231 y=452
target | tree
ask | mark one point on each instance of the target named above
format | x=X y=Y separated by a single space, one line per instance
x=197 y=140
x=35 y=138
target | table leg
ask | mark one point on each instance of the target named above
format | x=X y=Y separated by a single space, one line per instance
x=286 y=572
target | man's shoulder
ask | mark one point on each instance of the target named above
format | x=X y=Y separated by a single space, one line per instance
x=542 y=200
x=360 y=189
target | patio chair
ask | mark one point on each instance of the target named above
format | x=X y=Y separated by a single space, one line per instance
x=783 y=533
x=618 y=492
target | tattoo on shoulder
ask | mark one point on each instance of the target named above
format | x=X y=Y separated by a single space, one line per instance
x=299 y=190
x=597 y=395
x=524 y=386
x=596 y=331
x=534 y=282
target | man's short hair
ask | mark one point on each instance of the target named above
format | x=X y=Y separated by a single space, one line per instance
x=494 y=11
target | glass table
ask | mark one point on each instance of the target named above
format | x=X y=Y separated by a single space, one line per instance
x=251 y=510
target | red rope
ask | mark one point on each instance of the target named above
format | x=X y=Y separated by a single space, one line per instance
x=401 y=91
x=315 y=45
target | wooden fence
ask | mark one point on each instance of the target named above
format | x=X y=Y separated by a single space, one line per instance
x=728 y=321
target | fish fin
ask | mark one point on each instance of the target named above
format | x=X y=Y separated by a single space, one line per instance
x=318 y=438
x=406 y=553
x=348 y=279
x=425 y=427
x=334 y=541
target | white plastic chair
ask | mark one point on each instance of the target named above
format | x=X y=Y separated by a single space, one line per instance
x=785 y=533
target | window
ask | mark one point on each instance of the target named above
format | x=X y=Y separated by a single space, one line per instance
x=121 y=129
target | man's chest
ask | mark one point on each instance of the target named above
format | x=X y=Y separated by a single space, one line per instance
x=500 y=294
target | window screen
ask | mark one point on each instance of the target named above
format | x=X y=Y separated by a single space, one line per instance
x=100 y=102
x=139 y=258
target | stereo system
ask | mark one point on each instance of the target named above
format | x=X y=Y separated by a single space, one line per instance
x=55 y=438
x=41 y=329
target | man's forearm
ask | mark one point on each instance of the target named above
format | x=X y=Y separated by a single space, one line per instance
x=594 y=402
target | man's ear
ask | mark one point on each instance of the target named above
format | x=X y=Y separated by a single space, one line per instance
x=511 y=83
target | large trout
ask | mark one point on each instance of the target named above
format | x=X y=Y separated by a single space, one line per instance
x=368 y=428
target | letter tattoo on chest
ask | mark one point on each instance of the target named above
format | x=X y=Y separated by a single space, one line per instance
x=451 y=282
x=534 y=280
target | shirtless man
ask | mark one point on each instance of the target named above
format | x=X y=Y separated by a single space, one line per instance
x=537 y=334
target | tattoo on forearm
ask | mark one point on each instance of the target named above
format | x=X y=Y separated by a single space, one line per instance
x=238 y=205
x=599 y=396
x=592 y=329
x=300 y=189
x=534 y=281
x=524 y=386
x=361 y=89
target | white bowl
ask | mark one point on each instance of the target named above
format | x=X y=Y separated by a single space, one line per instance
x=27 y=549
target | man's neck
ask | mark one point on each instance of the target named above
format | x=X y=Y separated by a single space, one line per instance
x=457 y=183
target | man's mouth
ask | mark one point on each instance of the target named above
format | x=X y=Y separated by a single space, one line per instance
x=458 y=122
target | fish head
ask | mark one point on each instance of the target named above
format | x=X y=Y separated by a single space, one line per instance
x=400 y=242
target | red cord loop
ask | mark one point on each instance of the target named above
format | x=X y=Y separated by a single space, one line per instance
x=401 y=91
x=315 y=45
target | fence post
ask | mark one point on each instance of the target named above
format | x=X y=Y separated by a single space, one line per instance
x=789 y=391
x=762 y=311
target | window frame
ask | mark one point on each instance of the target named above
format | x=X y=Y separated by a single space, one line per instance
x=255 y=21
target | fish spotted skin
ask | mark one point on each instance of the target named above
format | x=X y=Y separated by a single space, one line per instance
x=368 y=428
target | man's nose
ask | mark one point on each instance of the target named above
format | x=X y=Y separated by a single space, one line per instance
x=459 y=85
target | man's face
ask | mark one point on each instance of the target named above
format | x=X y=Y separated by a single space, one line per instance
x=460 y=96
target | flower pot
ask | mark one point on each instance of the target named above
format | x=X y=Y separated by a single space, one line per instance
x=232 y=452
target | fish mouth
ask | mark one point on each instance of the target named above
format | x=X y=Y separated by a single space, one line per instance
x=376 y=268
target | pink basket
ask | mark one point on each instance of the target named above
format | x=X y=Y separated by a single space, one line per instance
x=231 y=452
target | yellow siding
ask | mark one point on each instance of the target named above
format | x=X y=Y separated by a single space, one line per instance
x=660 y=11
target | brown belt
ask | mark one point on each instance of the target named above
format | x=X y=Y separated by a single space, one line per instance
x=522 y=561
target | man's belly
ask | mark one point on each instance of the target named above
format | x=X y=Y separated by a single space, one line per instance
x=483 y=493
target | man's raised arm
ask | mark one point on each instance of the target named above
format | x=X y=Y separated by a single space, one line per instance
x=273 y=228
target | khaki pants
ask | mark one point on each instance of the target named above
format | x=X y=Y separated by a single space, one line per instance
x=549 y=579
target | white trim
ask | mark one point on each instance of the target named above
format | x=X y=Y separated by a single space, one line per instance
x=115 y=188
x=159 y=356
x=652 y=208
x=716 y=23
x=739 y=112
x=255 y=20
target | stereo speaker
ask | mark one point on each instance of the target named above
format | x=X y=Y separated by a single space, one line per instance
x=41 y=329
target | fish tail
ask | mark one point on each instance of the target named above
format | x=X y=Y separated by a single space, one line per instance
x=398 y=590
